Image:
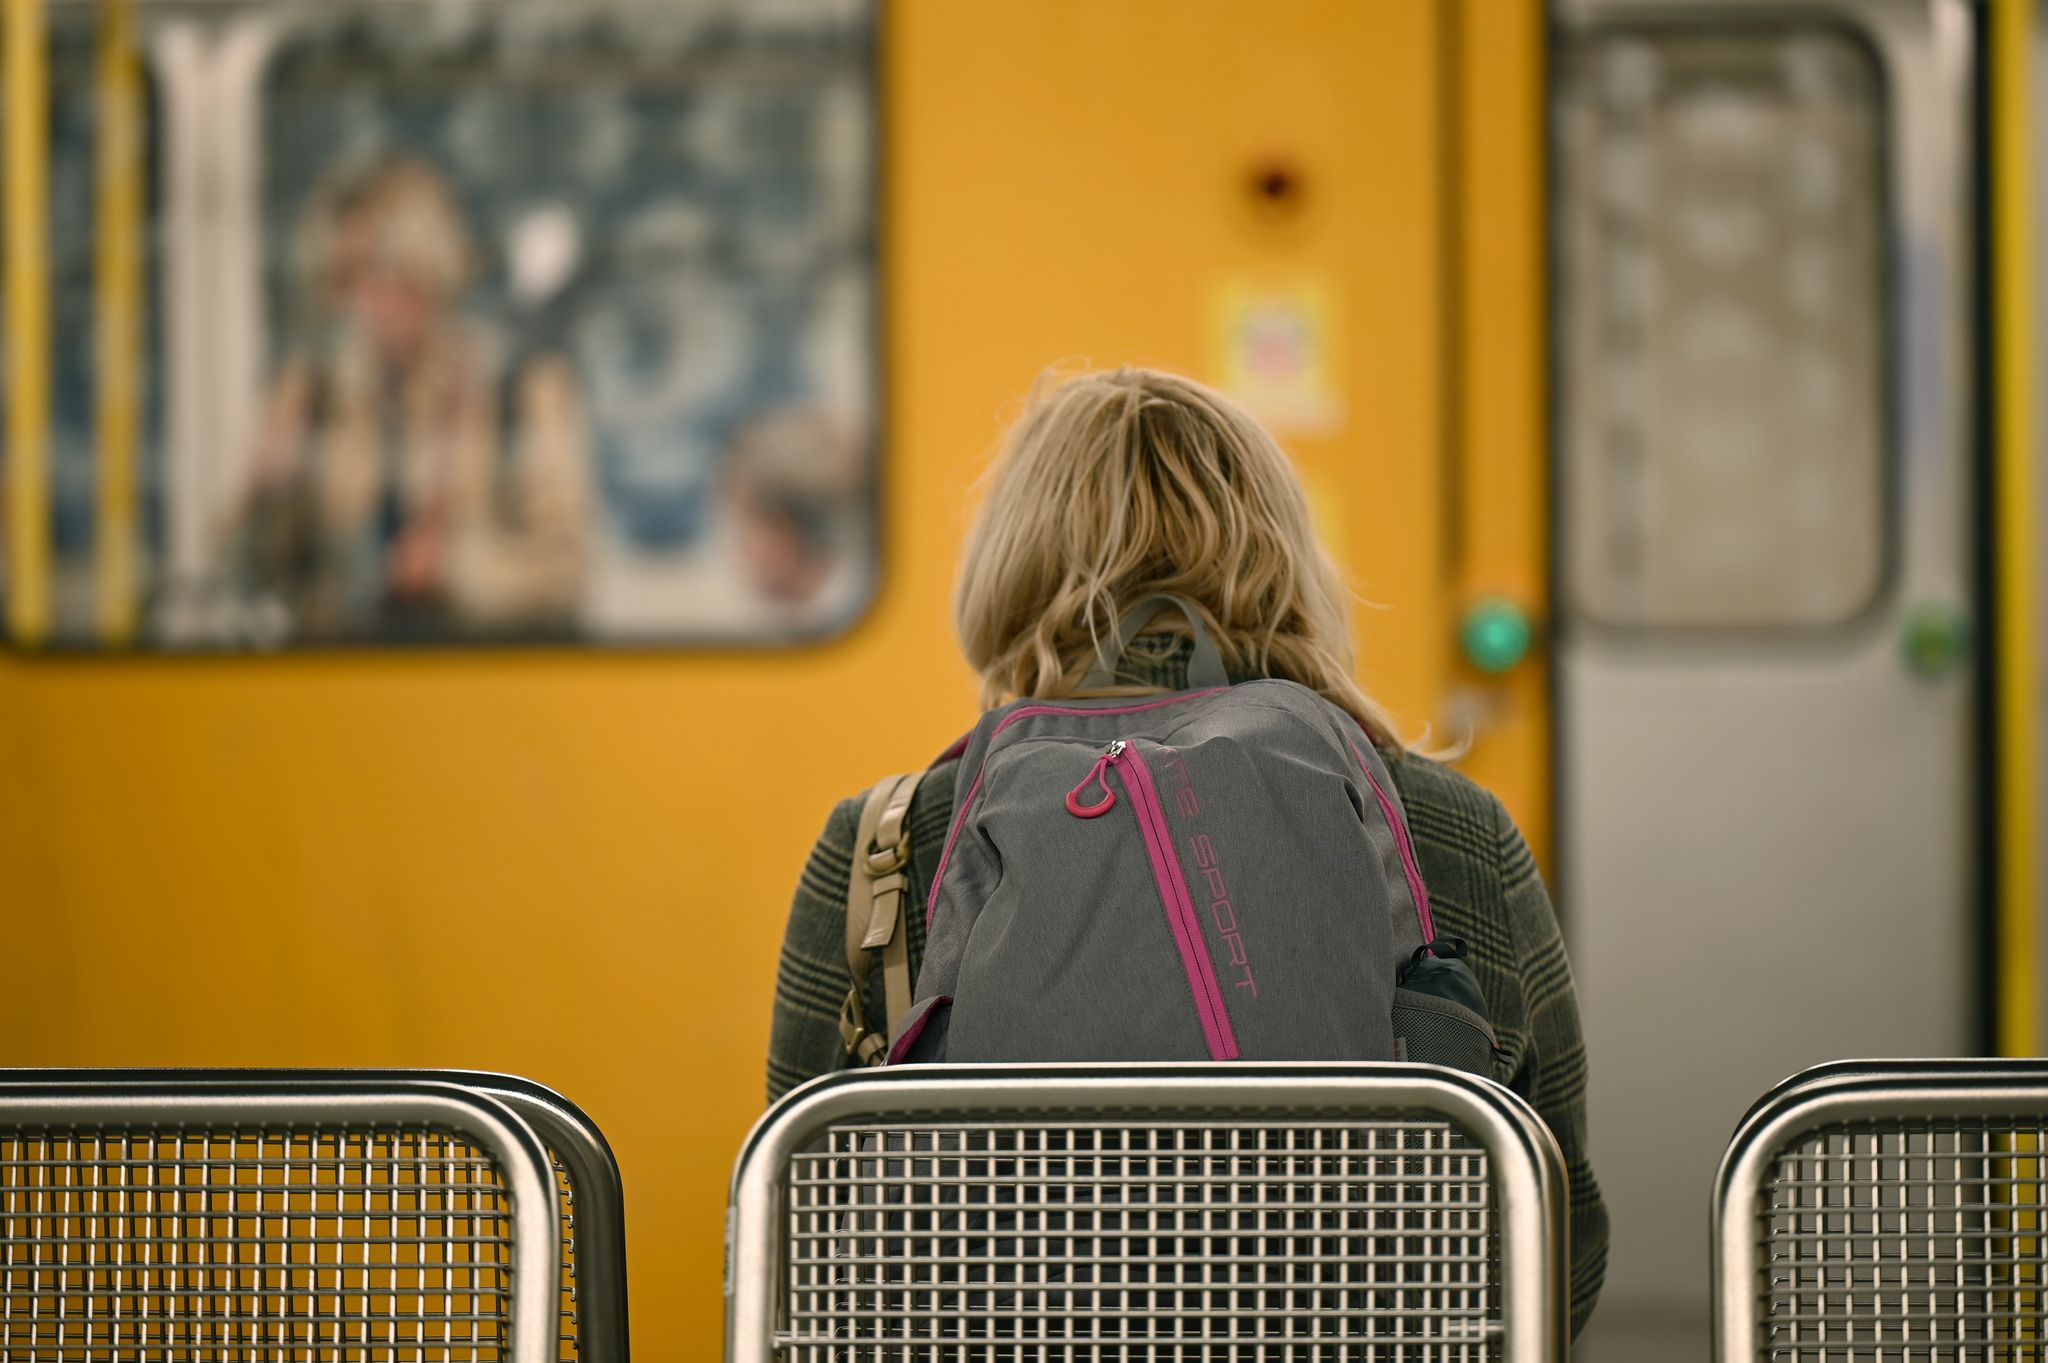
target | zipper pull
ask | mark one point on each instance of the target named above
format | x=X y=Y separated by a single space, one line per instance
x=1099 y=776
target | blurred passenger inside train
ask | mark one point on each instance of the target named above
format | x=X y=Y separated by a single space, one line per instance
x=1122 y=486
x=795 y=490
x=410 y=482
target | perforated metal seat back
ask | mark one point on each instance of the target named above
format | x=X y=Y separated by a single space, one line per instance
x=185 y=1245
x=1905 y=1239
x=1228 y=1240
x=588 y=1205
x=1887 y=1210
x=1206 y=1213
x=568 y=1347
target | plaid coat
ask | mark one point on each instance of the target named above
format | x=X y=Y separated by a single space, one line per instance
x=1483 y=887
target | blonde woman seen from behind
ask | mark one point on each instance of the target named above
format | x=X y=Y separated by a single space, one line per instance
x=1120 y=486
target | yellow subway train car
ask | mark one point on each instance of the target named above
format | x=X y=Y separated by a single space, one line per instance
x=1660 y=370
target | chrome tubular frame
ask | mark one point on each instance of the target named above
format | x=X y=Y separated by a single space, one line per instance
x=586 y=1158
x=1528 y=1193
x=1983 y=1097
x=269 y=1100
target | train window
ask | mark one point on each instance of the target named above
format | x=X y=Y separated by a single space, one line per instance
x=72 y=580
x=550 y=322
x=1721 y=228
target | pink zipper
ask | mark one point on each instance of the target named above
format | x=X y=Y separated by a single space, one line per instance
x=1097 y=776
x=1408 y=868
x=1180 y=906
x=967 y=806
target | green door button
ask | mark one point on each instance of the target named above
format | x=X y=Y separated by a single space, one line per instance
x=1495 y=634
x=1937 y=639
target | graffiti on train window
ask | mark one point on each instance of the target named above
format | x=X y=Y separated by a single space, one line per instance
x=1723 y=351
x=501 y=324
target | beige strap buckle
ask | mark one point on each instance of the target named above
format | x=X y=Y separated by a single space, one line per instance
x=876 y=891
x=887 y=861
x=861 y=1044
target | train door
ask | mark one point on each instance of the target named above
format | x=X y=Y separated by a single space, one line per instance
x=1764 y=518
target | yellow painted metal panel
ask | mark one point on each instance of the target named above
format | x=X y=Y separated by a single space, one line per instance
x=1504 y=479
x=24 y=57
x=577 y=866
x=2016 y=451
x=118 y=314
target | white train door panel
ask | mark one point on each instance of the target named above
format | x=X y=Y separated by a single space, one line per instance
x=1764 y=465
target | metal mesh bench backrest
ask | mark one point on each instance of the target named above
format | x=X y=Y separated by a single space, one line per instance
x=1239 y=1225
x=591 y=1205
x=1119 y=1232
x=569 y=1340
x=1887 y=1215
x=124 y=1243
x=300 y=1233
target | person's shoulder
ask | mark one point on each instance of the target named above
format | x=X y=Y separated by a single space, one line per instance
x=939 y=778
x=932 y=804
x=1469 y=847
x=1448 y=808
x=933 y=807
x=829 y=868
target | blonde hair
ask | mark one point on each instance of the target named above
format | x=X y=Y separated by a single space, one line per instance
x=1119 y=485
x=405 y=218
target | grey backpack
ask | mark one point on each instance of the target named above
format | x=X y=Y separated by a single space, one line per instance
x=1220 y=873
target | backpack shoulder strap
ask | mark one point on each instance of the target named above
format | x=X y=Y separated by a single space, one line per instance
x=876 y=892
